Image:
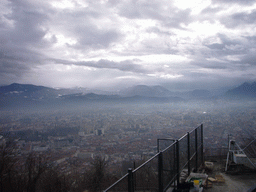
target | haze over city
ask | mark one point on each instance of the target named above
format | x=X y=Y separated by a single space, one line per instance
x=109 y=44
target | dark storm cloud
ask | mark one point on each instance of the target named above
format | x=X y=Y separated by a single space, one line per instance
x=128 y=65
x=90 y=36
x=249 y=58
x=158 y=31
x=11 y=64
x=22 y=39
x=216 y=46
x=134 y=9
x=241 y=2
x=27 y=19
x=19 y=38
x=168 y=15
x=229 y=54
x=239 y=19
x=243 y=48
x=208 y=64
x=20 y=56
x=15 y=62
x=226 y=47
x=179 y=17
x=251 y=39
x=211 y=10
x=82 y=26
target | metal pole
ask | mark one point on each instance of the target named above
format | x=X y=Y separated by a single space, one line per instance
x=196 y=149
x=226 y=168
x=157 y=145
x=130 y=181
x=174 y=163
x=160 y=172
x=202 y=145
x=134 y=176
x=178 y=163
x=188 y=153
x=228 y=142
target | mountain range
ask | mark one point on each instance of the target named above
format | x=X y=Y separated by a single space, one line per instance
x=15 y=95
x=246 y=90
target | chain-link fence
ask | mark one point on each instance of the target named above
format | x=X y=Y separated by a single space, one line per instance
x=163 y=170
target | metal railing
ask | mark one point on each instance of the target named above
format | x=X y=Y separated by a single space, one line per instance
x=163 y=170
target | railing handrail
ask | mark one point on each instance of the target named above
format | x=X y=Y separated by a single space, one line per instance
x=174 y=143
x=182 y=137
x=116 y=182
x=146 y=162
x=195 y=128
x=197 y=142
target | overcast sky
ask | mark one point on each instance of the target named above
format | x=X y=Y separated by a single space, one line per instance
x=113 y=43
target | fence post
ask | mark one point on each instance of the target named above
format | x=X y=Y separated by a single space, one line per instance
x=134 y=176
x=188 y=152
x=178 y=163
x=160 y=172
x=196 y=148
x=130 y=180
x=174 y=162
x=158 y=148
x=202 y=145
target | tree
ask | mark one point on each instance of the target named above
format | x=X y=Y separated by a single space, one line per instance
x=53 y=181
x=10 y=178
x=30 y=174
x=35 y=166
x=97 y=175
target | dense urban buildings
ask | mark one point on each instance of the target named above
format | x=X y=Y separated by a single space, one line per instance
x=121 y=134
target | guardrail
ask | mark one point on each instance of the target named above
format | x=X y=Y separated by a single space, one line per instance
x=163 y=169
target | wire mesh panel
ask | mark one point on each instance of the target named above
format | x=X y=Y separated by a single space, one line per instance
x=169 y=165
x=199 y=156
x=183 y=152
x=250 y=152
x=164 y=143
x=199 y=146
x=192 y=143
x=145 y=177
x=192 y=146
x=250 y=149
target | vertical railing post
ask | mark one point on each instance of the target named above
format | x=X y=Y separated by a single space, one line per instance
x=202 y=145
x=178 y=163
x=188 y=140
x=174 y=162
x=160 y=172
x=158 y=148
x=130 y=180
x=134 y=176
x=196 y=149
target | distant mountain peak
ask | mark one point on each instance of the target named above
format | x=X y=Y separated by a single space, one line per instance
x=246 y=90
